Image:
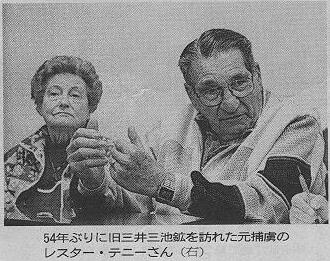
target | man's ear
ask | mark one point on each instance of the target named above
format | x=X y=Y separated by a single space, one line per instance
x=258 y=82
x=256 y=74
x=192 y=95
x=256 y=69
x=189 y=90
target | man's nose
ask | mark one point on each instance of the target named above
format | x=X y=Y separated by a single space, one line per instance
x=230 y=103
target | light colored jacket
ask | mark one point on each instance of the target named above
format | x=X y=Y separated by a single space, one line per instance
x=287 y=128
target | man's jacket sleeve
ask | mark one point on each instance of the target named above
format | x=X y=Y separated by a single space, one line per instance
x=298 y=151
x=266 y=194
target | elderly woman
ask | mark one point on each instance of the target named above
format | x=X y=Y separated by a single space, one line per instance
x=66 y=90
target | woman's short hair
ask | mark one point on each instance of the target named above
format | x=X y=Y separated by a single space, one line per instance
x=67 y=64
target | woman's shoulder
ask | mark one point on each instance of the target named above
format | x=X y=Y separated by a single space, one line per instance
x=32 y=143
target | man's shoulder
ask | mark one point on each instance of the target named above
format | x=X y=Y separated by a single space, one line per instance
x=291 y=109
x=175 y=127
x=184 y=114
x=181 y=122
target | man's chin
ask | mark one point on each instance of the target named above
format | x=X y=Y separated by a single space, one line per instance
x=235 y=120
x=233 y=132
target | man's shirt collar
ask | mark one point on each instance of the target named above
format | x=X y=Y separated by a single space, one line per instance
x=212 y=143
x=207 y=131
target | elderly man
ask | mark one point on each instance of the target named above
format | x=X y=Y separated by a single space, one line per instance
x=235 y=153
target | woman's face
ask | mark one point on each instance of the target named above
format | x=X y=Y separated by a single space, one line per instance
x=65 y=102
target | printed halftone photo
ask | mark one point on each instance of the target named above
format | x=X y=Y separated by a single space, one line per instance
x=165 y=114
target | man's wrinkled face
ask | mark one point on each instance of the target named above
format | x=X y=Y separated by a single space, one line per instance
x=226 y=93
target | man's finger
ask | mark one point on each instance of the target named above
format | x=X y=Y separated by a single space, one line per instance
x=124 y=147
x=116 y=170
x=121 y=158
x=318 y=201
x=301 y=201
x=299 y=217
x=135 y=138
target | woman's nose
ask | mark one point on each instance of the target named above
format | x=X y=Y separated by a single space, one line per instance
x=229 y=103
x=64 y=101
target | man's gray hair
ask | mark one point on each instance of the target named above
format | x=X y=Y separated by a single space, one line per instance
x=212 y=42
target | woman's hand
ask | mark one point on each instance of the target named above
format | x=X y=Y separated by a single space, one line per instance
x=308 y=209
x=87 y=155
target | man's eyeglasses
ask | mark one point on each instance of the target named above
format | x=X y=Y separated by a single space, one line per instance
x=210 y=93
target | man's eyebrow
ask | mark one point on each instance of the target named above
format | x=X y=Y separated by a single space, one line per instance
x=240 y=76
x=75 y=88
x=208 y=80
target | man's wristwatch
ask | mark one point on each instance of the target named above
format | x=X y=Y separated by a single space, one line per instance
x=165 y=192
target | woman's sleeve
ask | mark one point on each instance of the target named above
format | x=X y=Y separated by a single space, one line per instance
x=12 y=184
x=107 y=197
